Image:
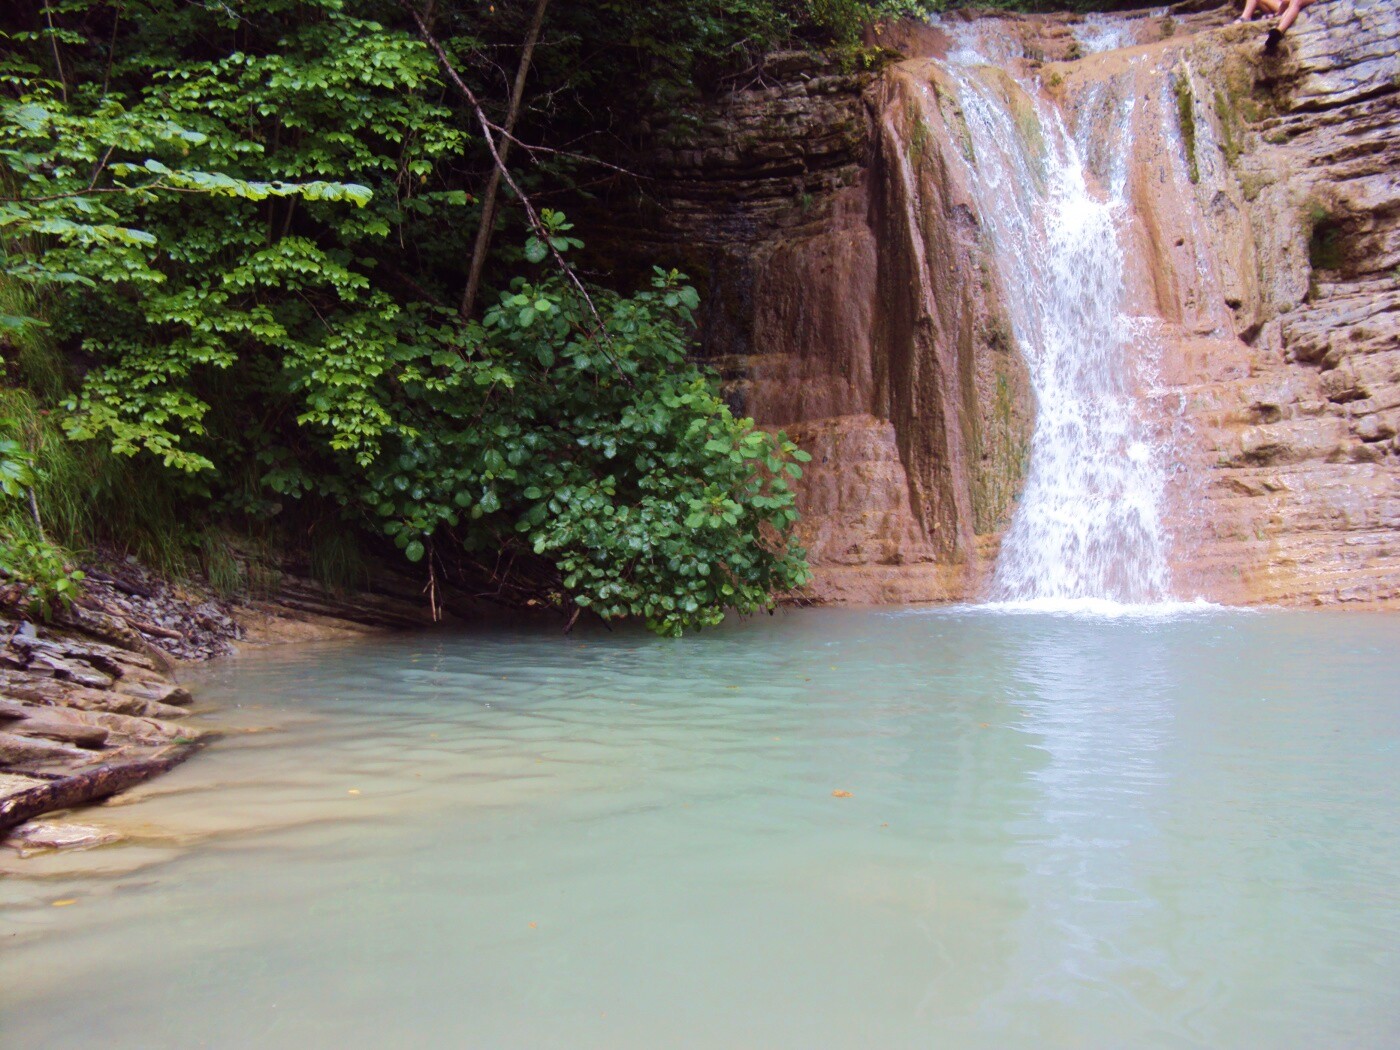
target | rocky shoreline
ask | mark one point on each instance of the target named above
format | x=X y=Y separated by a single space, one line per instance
x=91 y=704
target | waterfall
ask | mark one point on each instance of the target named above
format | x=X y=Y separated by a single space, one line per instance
x=1089 y=525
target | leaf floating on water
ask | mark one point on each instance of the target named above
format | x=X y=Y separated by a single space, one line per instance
x=65 y=902
x=838 y=793
x=353 y=791
x=534 y=926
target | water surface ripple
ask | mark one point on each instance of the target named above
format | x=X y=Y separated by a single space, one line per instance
x=1062 y=832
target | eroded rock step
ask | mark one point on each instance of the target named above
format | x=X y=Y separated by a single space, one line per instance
x=81 y=719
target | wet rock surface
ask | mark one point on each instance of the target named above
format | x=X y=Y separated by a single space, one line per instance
x=90 y=705
x=849 y=298
x=1287 y=357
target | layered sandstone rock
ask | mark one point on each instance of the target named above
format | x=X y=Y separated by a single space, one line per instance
x=1306 y=488
x=851 y=300
x=1268 y=227
x=823 y=219
x=82 y=716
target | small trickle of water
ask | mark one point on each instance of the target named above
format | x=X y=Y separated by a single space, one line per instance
x=1098 y=33
x=1089 y=525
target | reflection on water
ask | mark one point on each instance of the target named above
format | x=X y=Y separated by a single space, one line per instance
x=1099 y=704
x=1062 y=831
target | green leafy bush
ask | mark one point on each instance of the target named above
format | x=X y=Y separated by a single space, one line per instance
x=238 y=225
x=35 y=574
x=599 y=455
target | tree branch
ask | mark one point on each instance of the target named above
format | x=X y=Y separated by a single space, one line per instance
x=532 y=216
x=493 y=185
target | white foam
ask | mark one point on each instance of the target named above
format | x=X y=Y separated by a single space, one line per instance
x=1106 y=608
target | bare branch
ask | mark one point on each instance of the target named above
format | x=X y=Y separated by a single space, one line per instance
x=493 y=185
x=536 y=225
x=571 y=155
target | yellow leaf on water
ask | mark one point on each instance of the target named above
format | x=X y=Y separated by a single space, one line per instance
x=838 y=793
x=534 y=926
x=65 y=902
x=353 y=791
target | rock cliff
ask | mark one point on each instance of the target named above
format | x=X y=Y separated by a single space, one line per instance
x=1266 y=191
x=852 y=301
x=821 y=236
x=1287 y=295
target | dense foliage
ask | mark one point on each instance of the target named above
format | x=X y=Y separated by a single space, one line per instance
x=231 y=236
x=235 y=239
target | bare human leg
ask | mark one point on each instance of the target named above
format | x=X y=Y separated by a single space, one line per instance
x=1290 y=16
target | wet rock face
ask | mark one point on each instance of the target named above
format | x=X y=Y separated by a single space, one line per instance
x=1287 y=352
x=846 y=303
x=1264 y=247
x=849 y=301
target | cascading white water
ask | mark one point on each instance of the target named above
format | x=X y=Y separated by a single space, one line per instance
x=1089 y=523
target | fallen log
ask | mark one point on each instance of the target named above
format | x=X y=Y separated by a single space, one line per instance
x=88 y=786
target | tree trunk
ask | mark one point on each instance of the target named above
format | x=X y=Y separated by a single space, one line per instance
x=493 y=185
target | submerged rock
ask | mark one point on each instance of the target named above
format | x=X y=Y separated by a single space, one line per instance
x=53 y=835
